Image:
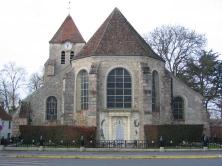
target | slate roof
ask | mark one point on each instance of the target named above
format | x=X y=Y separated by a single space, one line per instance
x=116 y=36
x=67 y=32
x=4 y=115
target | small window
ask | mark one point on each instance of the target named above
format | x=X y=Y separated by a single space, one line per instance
x=63 y=59
x=71 y=56
x=178 y=108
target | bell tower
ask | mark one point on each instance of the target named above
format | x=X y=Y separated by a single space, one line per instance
x=63 y=46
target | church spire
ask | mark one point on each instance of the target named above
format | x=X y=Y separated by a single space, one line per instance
x=69 y=7
x=67 y=32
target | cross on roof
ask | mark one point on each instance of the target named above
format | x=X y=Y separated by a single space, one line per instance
x=69 y=6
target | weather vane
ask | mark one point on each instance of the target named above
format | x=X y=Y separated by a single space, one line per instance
x=69 y=7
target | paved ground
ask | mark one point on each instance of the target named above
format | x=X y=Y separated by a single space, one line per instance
x=31 y=158
x=62 y=153
x=24 y=162
x=79 y=162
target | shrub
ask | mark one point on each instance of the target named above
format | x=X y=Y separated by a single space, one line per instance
x=176 y=133
x=216 y=133
x=57 y=133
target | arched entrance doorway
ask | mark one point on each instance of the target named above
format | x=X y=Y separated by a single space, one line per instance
x=119 y=129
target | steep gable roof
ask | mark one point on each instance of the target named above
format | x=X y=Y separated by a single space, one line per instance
x=116 y=36
x=4 y=115
x=67 y=32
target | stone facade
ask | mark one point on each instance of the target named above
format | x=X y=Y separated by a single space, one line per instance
x=63 y=81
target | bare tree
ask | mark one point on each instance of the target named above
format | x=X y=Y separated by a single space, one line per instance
x=218 y=101
x=4 y=93
x=35 y=81
x=12 y=79
x=175 y=44
x=219 y=107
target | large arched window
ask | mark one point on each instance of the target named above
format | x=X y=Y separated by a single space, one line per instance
x=71 y=56
x=178 y=108
x=51 y=108
x=155 y=91
x=84 y=81
x=119 y=91
x=63 y=59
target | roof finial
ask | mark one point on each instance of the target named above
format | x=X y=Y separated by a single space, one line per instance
x=69 y=6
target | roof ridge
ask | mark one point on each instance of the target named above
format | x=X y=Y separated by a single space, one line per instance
x=117 y=36
x=140 y=39
x=59 y=28
x=108 y=20
x=67 y=31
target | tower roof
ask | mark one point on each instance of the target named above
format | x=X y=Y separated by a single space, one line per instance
x=116 y=36
x=67 y=32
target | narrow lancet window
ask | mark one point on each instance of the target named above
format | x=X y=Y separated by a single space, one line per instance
x=63 y=59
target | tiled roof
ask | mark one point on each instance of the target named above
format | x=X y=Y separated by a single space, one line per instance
x=4 y=115
x=116 y=36
x=67 y=32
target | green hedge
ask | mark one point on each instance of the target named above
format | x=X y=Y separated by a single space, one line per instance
x=216 y=132
x=176 y=133
x=55 y=133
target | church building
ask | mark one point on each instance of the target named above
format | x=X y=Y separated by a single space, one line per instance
x=114 y=82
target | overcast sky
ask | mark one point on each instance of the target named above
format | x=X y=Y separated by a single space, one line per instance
x=28 y=25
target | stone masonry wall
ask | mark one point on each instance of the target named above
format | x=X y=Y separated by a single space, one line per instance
x=194 y=112
x=68 y=97
x=133 y=66
x=55 y=54
x=63 y=86
x=53 y=87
